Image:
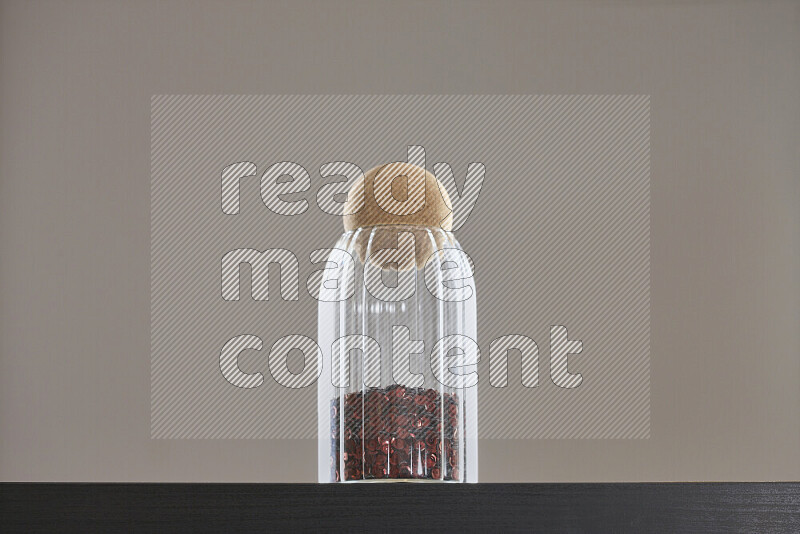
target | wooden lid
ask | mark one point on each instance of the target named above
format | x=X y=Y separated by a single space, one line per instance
x=398 y=194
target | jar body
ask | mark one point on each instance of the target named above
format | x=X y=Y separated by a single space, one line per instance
x=397 y=397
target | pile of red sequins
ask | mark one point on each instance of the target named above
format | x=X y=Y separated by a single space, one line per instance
x=395 y=433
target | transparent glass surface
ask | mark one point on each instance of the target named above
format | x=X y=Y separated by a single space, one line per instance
x=396 y=413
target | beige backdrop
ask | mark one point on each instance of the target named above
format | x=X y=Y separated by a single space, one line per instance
x=75 y=90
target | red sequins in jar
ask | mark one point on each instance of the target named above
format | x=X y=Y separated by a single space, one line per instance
x=397 y=395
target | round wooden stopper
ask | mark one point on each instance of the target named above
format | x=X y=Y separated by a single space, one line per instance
x=398 y=194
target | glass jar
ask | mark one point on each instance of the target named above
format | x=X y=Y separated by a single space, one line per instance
x=397 y=398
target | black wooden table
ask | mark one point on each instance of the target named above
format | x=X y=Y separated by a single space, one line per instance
x=723 y=507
